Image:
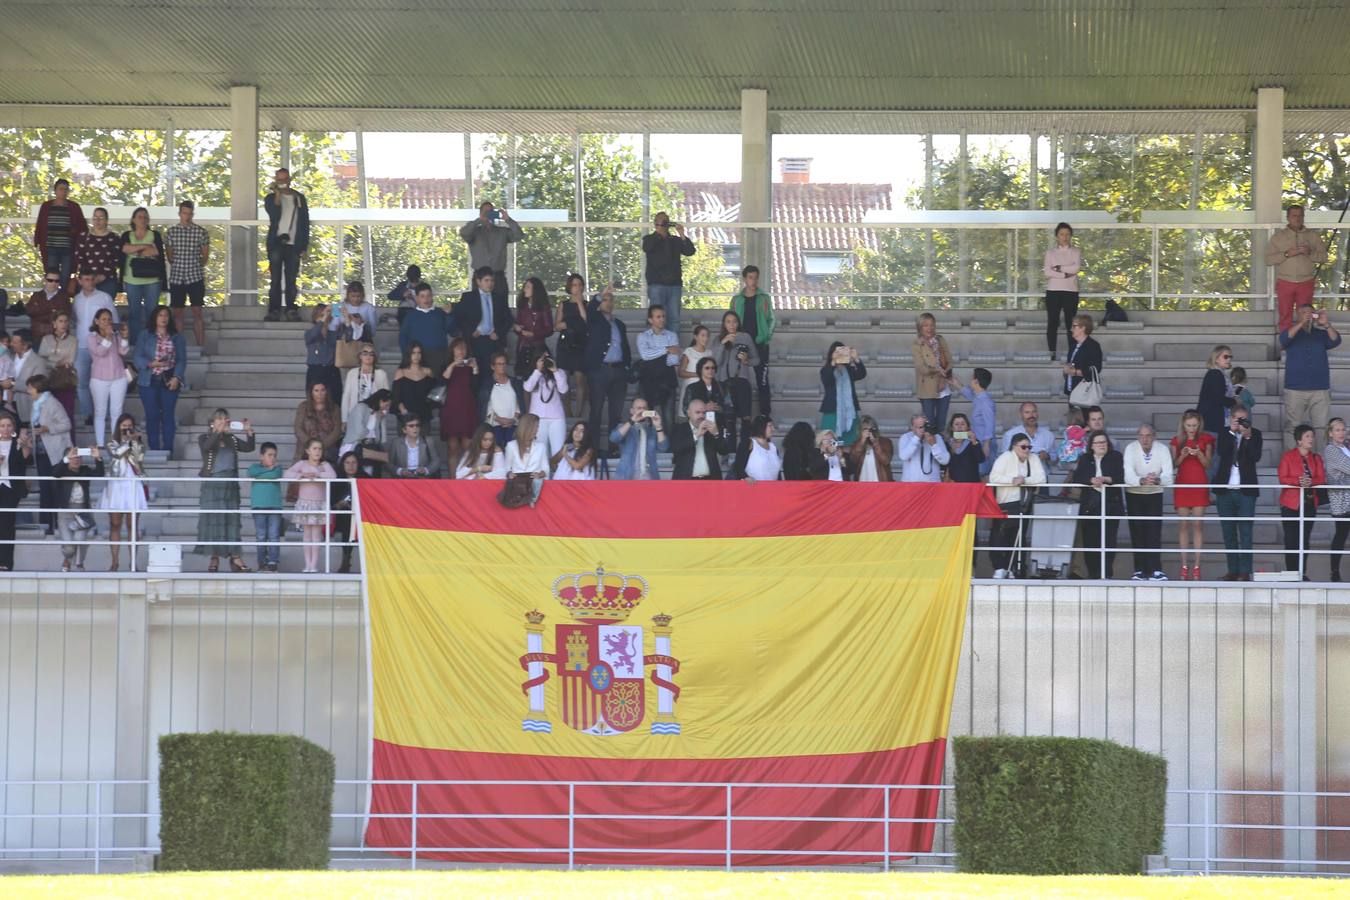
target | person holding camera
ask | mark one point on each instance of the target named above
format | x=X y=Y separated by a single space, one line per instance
x=967 y=462
x=1302 y=472
x=1014 y=477
x=639 y=438
x=1239 y=451
x=870 y=457
x=832 y=455
x=1148 y=469
x=1307 y=371
x=755 y=310
x=932 y=369
x=459 y=413
x=664 y=253
x=737 y=359
x=839 y=377
x=218 y=530
x=545 y=388
x=321 y=352
x=124 y=495
x=72 y=493
x=923 y=452
x=1100 y=468
x=488 y=236
x=287 y=240
x=161 y=364
x=1192 y=451
x=697 y=445
x=108 y=347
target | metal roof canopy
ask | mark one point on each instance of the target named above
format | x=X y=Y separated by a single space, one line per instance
x=410 y=64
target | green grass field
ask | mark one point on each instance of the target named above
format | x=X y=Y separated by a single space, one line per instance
x=647 y=884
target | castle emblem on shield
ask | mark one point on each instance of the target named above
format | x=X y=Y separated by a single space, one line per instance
x=599 y=659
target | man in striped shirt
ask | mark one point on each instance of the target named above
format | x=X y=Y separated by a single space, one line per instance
x=59 y=222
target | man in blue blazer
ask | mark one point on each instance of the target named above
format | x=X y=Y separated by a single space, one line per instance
x=484 y=319
x=607 y=361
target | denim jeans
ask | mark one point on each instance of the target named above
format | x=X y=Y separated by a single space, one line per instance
x=667 y=296
x=61 y=259
x=268 y=528
x=160 y=404
x=935 y=411
x=141 y=302
x=108 y=286
x=84 y=401
x=1236 y=535
x=283 y=265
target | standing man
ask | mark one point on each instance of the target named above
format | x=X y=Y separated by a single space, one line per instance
x=1235 y=493
x=1295 y=252
x=487 y=237
x=287 y=241
x=27 y=363
x=484 y=317
x=606 y=362
x=187 y=247
x=659 y=353
x=664 y=274
x=59 y=222
x=430 y=326
x=755 y=310
x=1307 y=372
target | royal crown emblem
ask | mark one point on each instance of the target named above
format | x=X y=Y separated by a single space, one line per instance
x=599 y=658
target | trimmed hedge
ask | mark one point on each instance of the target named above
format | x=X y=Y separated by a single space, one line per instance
x=1056 y=806
x=244 y=801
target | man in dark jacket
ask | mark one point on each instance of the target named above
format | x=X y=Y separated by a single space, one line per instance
x=287 y=241
x=607 y=361
x=1239 y=451
x=695 y=445
x=484 y=318
x=664 y=271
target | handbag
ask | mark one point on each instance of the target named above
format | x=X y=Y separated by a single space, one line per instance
x=1088 y=393
x=347 y=355
x=436 y=396
x=63 y=378
x=131 y=373
x=518 y=491
x=145 y=267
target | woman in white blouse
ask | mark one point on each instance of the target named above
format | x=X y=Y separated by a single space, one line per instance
x=758 y=458
x=527 y=453
x=575 y=459
x=484 y=459
x=1011 y=478
x=362 y=381
x=687 y=371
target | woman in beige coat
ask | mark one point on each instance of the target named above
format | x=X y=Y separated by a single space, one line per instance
x=932 y=370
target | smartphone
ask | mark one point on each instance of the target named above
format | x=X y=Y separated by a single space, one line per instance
x=236 y=425
x=649 y=414
x=711 y=416
x=960 y=435
x=495 y=215
x=85 y=452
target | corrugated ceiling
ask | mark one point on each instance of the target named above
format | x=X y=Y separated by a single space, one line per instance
x=685 y=55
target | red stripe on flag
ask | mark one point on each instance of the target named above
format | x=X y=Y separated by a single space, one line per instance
x=664 y=509
x=920 y=764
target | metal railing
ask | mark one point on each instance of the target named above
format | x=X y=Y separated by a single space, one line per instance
x=935 y=849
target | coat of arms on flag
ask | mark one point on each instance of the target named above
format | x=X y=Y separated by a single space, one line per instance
x=599 y=659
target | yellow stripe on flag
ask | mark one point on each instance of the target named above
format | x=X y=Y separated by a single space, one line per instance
x=787 y=645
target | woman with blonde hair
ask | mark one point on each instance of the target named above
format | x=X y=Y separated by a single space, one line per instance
x=1192 y=450
x=932 y=369
x=1217 y=394
x=526 y=454
x=828 y=445
x=362 y=381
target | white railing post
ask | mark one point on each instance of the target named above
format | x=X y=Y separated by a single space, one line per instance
x=571 y=825
x=1101 y=534
x=1205 y=798
x=886 y=836
x=134 y=524
x=1302 y=505
x=1153 y=269
x=728 y=864
x=98 y=823
x=413 y=843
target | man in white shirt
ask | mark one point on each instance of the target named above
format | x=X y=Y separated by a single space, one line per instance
x=1148 y=469
x=1042 y=439
x=659 y=352
x=86 y=305
x=923 y=453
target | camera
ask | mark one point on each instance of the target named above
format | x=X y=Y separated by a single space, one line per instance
x=1244 y=422
x=931 y=428
x=548 y=364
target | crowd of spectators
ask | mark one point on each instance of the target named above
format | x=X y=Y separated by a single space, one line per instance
x=492 y=386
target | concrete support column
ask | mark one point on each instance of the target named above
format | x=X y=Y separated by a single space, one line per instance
x=132 y=753
x=756 y=182
x=243 y=240
x=1267 y=175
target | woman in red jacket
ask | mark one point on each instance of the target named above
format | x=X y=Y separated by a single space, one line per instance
x=1301 y=470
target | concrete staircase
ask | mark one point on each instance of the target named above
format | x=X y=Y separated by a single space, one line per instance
x=1154 y=366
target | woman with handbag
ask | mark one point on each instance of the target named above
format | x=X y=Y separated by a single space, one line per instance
x=316 y=418
x=143 y=272
x=412 y=385
x=572 y=327
x=1302 y=472
x=534 y=323
x=1102 y=468
x=526 y=465
x=108 y=375
x=51 y=438
x=124 y=495
x=16 y=449
x=58 y=349
x=161 y=360
x=1083 y=367
x=218 y=531
x=459 y=408
x=362 y=381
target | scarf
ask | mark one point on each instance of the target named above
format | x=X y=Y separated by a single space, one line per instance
x=845 y=411
x=35 y=418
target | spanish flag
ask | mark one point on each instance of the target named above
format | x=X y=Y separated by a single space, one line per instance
x=660 y=637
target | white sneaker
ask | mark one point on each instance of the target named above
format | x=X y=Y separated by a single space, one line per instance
x=1000 y=573
x=1137 y=576
x=1158 y=576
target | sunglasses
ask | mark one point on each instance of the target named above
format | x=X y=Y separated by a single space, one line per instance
x=1022 y=446
x=1225 y=356
x=52 y=280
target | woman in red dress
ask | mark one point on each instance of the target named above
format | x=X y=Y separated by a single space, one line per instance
x=1192 y=450
x=459 y=414
x=534 y=323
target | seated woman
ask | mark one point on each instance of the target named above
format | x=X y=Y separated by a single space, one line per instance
x=362 y=381
x=1013 y=477
x=801 y=460
x=828 y=446
x=708 y=389
x=1102 y=468
x=575 y=459
x=839 y=376
x=483 y=459
x=758 y=458
x=525 y=454
x=370 y=427
x=870 y=458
